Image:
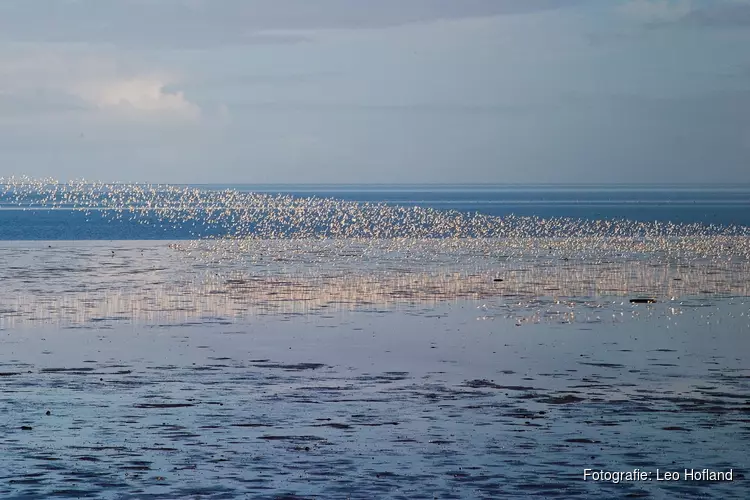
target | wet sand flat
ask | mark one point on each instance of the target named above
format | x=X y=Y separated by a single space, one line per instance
x=458 y=399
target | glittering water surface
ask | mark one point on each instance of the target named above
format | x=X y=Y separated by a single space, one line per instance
x=534 y=279
x=316 y=347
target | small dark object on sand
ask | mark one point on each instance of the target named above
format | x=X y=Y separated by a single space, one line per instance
x=26 y=428
x=498 y=280
x=48 y=413
x=643 y=301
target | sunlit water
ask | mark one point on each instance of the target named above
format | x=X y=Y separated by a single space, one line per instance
x=314 y=346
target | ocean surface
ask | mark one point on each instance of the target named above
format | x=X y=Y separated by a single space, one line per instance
x=446 y=401
x=719 y=205
x=359 y=342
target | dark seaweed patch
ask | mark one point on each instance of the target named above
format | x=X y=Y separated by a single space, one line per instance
x=561 y=400
x=67 y=370
x=483 y=383
x=268 y=437
x=292 y=367
x=334 y=425
x=163 y=405
x=602 y=365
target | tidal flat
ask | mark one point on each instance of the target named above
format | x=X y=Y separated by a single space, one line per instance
x=124 y=375
x=437 y=402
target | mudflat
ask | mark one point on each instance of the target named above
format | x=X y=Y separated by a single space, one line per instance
x=456 y=399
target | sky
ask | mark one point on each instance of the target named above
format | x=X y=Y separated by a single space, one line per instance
x=386 y=91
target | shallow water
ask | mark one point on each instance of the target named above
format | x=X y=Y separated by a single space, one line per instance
x=425 y=402
x=158 y=282
x=373 y=368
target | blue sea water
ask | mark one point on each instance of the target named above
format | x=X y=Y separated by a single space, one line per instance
x=720 y=205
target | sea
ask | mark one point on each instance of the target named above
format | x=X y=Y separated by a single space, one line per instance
x=717 y=205
x=373 y=341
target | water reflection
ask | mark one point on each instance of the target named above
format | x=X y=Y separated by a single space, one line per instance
x=78 y=282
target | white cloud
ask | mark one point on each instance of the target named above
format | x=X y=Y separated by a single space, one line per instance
x=93 y=82
x=139 y=96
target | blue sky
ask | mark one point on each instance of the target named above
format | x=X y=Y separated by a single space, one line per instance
x=258 y=91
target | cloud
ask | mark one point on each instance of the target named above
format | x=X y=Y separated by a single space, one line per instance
x=137 y=97
x=204 y=23
x=45 y=81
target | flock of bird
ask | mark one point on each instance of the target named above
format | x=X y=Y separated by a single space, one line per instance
x=264 y=216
